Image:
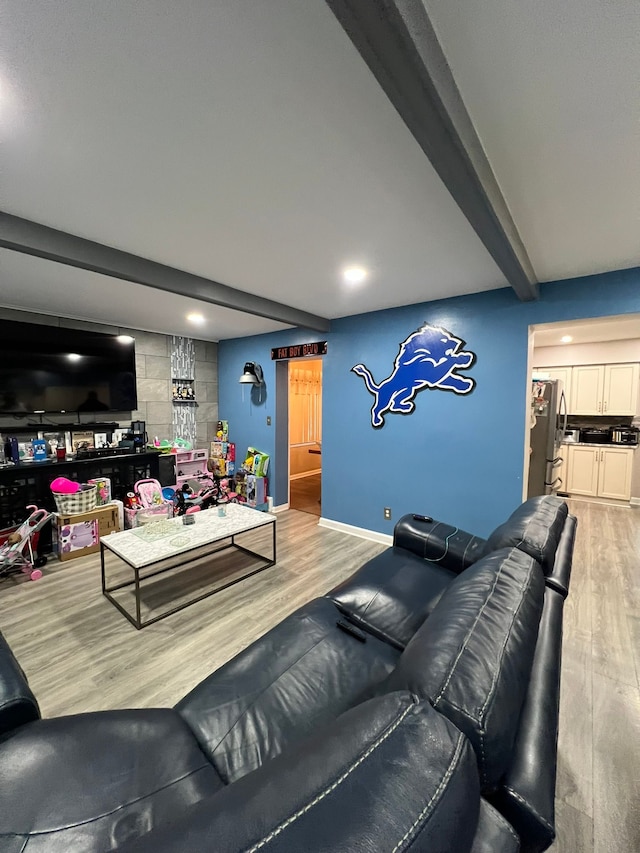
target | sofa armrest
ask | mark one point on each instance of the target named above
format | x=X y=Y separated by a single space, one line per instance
x=560 y=575
x=388 y=774
x=17 y=703
x=526 y=796
x=438 y=542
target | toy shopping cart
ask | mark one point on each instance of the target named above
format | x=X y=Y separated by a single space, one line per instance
x=18 y=553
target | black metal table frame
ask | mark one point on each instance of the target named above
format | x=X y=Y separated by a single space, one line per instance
x=137 y=622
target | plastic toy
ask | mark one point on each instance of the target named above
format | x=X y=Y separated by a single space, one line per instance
x=103 y=486
x=131 y=501
x=82 y=535
x=226 y=495
x=39 y=450
x=65 y=486
x=12 y=554
x=187 y=501
x=260 y=465
x=149 y=493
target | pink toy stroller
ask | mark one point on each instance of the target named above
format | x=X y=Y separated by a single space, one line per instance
x=13 y=558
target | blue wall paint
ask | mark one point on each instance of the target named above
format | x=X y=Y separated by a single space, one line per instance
x=458 y=458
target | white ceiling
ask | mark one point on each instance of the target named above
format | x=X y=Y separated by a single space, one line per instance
x=553 y=89
x=247 y=141
x=27 y=282
x=625 y=327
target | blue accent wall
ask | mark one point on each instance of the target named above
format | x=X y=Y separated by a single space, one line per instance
x=457 y=458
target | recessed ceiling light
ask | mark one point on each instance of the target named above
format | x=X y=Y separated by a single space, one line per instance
x=194 y=317
x=73 y=356
x=566 y=339
x=354 y=275
x=124 y=339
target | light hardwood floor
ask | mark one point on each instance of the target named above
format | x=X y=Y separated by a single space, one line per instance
x=304 y=494
x=81 y=655
x=598 y=788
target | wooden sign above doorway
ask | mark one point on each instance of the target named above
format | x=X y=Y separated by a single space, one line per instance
x=299 y=350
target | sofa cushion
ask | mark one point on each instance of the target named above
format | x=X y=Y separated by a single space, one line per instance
x=93 y=781
x=388 y=775
x=392 y=594
x=473 y=655
x=535 y=528
x=494 y=834
x=302 y=673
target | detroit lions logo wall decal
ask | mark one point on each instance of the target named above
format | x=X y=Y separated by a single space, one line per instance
x=428 y=358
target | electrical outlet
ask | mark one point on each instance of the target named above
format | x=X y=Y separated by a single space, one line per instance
x=268 y=420
x=387 y=512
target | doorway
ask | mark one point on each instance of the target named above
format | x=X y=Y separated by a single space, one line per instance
x=595 y=364
x=305 y=435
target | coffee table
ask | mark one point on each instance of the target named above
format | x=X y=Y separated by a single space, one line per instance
x=157 y=548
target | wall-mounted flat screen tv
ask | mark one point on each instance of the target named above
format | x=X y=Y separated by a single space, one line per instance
x=52 y=369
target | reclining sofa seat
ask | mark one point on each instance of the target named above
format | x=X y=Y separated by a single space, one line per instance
x=390 y=774
x=392 y=594
x=399 y=591
x=316 y=737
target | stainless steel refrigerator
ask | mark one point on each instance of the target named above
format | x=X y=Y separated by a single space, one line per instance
x=548 y=423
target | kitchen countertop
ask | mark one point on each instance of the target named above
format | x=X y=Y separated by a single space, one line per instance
x=600 y=444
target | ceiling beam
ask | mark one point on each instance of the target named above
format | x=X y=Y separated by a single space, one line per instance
x=30 y=238
x=397 y=41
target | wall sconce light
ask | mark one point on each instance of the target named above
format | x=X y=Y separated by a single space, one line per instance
x=252 y=374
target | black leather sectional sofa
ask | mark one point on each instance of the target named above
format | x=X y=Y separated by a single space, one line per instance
x=413 y=708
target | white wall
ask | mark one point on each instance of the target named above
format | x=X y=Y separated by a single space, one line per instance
x=605 y=352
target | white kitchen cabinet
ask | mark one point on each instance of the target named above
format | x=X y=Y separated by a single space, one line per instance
x=620 y=395
x=597 y=471
x=587 y=384
x=604 y=389
x=563 y=374
x=583 y=470
x=614 y=474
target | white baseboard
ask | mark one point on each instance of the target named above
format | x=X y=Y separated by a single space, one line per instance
x=280 y=508
x=635 y=501
x=305 y=474
x=361 y=532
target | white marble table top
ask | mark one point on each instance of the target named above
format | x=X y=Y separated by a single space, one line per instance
x=169 y=537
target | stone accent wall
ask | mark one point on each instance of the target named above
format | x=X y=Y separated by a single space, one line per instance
x=153 y=374
x=206 y=376
x=183 y=366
